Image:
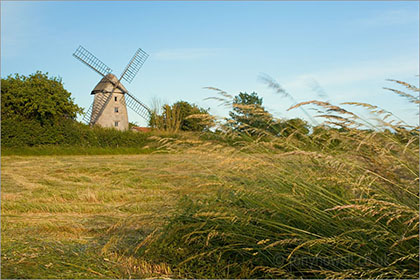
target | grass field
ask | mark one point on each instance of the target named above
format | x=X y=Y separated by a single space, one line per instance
x=205 y=214
x=335 y=203
x=57 y=210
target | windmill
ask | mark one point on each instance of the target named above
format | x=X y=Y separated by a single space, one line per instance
x=111 y=98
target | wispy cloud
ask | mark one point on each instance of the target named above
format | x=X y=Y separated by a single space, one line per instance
x=186 y=53
x=361 y=81
x=407 y=66
x=390 y=17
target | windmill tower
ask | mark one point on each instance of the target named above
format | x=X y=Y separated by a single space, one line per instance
x=111 y=98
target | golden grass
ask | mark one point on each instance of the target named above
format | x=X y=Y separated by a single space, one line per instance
x=341 y=202
x=78 y=199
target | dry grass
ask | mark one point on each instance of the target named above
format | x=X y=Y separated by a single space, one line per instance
x=341 y=202
x=59 y=203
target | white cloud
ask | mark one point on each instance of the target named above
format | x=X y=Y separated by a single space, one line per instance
x=185 y=53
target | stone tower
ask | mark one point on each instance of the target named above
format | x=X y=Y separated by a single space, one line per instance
x=109 y=108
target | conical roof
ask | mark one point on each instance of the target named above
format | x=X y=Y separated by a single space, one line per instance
x=107 y=83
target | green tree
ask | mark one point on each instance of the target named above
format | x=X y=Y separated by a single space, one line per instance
x=250 y=116
x=193 y=118
x=36 y=97
x=167 y=120
x=182 y=115
x=248 y=113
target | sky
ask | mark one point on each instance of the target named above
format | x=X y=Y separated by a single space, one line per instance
x=331 y=51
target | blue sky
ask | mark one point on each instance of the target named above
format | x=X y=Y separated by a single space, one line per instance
x=345 y=49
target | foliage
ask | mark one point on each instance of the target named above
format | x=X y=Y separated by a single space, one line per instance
x=21 y=132
x=36 y=97
x=247 y=99
x=61 y=150
x=181 y=116
x=168 y=120
x=249 y=114
x=250 y=117
x=190 y=116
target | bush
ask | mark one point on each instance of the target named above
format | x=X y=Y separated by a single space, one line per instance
x=20 y=132
x=36 y=97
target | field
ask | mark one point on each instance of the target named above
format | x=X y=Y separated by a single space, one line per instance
x=207 y=212
x=267 y=200
x=57 y=210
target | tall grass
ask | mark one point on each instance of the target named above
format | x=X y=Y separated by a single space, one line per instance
x=340 y=202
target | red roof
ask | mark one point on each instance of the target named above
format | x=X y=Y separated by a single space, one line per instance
x=141 y=129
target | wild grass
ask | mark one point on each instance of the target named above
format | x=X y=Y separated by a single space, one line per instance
x=341 y=202
x=266 y=202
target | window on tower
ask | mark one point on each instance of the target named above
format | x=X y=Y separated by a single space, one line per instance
x=116 y=109
x=115 y=98
x=116 y=123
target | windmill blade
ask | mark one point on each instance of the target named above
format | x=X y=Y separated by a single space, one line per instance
x=87 y=115
x=134 y=65
x=137 y=106
x=103 y=100
x=92 y=61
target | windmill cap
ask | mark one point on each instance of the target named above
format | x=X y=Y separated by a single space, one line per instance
x=107 y=83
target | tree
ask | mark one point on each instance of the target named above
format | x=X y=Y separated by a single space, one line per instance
x=250 y=116
x=193 y=118
x=182 y=115
x=167 y=120
x=248 y=113
x=36 y=97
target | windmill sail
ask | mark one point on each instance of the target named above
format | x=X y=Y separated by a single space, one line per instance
x=87 y=115
x=134 y=65
x=137 y=106
x=92 y=61
x=102 y=101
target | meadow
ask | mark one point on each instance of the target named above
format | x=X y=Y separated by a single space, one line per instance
x=58 y=211
x=334 y=203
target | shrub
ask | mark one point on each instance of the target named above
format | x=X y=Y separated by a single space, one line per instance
x=36 y=97
x=20 y=132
